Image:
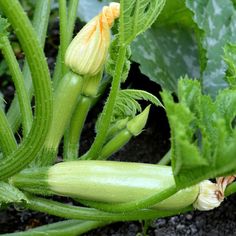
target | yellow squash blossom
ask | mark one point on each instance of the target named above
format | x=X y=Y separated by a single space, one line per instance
x=87 y=52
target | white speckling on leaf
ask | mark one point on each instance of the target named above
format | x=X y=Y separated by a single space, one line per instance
x=149 y=56
x=222 y=31
x=189 y=61
x=211 y=24
x=211 y=41
x=216 y=7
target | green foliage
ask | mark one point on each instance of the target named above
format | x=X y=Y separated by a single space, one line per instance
x=127 y=104
x=9 y=194
x=168 y=49
x=202 y=135
x=230 y=59
x=136 y=17
x=111 y=61
x=216 y=19
x=3 y=27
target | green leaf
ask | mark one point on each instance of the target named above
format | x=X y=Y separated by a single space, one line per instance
x=3 y=27
x=127 y=104
x=217 y=21
x=10 y=194
x=112 y=58
x=165 y=53
x=173 y=12
x=203 y=133
x=183 y=127
x=230 y=59
x=136 y=17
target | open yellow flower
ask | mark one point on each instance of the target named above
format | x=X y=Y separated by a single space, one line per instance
x=87 y=52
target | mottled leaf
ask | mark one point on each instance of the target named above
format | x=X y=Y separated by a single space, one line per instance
x=165 y=53
x=217 y=20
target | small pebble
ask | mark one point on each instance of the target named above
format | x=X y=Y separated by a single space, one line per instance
x=189 y=217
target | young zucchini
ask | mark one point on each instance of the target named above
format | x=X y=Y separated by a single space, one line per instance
x=106 y=181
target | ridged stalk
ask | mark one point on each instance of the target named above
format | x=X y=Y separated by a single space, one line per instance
x=30 y=146
x=18 y=79
x=40 y=23
x=7 y=140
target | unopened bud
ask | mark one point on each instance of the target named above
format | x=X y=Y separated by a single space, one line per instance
x=87 y=52
x=136 y=125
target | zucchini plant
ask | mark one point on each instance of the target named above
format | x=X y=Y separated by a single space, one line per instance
x=201 y=112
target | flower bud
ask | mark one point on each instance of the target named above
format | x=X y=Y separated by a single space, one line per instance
x=208 y=197
x=136 y=125
x=87 y=52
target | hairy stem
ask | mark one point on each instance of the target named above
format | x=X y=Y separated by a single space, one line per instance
x=108 y=109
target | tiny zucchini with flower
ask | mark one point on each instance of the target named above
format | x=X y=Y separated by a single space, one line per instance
x=114 y=182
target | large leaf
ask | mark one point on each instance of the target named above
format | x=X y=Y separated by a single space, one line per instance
x=168 y=50
x=217 y=20
x=10 y=194
x=137 y=16
x=202 y=135
x=166 y=53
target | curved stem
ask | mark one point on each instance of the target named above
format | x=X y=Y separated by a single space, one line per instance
x=30 y=146
x=83 y=213
x=40 y=23
x=108 y=109
x=17 y=77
